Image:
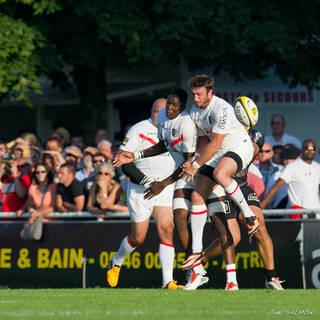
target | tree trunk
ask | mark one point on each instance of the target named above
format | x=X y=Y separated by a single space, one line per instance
x=91 y=85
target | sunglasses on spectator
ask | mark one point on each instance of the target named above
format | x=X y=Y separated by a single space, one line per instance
x=43 y=171
x=95 y=161
x=103 y=173
x=276 y=123
x=310 y=148
x=71 y=155
x=265 y=151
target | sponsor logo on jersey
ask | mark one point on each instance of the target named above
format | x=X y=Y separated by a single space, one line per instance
x=252 y=197
x=223 y=119
x=174 y=132
x=125 y=140
x=227 y=206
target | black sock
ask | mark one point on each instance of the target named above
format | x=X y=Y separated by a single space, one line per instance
x=270 y=274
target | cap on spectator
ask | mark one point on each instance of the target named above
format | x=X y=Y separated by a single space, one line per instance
x=30 y=138
x=62 y=132
x=75 y=151
x=290 y=153
x=91 y=150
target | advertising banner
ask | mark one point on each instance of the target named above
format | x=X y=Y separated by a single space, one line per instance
x=311 y=253
x=77 y=253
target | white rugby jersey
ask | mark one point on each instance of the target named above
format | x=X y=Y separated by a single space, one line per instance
x=219 y=117
x=144 y=135
x=179 y=134
x=303 y=181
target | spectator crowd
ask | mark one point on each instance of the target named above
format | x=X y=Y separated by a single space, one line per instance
x=67 y=175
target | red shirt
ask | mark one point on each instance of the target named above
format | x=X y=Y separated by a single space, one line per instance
x=12 y=202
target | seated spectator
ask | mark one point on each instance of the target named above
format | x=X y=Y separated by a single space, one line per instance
x=265 y=165
x=303 y=179
x=278 y=136
x=276 y=159
x=30 y=138
x=70 y=195
x=77 y=141
x=98 y=158
x=87 y=167
x=14 y=184
x=42 y=194
x=105 y=147
x=62 y=134
x=52 y=163
x=20 y=151
x=104 y=192
x=54 y=144
x=280 y=199
x=73 y=154
x=101 y=134
x=35 y=156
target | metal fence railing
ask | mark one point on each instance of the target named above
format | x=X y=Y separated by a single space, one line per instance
x=307 y=213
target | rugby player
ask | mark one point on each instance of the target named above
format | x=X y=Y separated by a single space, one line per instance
x=228 y=151
x=178 y=135
x=264 y=242
x=141 y=136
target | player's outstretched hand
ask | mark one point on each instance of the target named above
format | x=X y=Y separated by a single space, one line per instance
x=155 y=188
x=123 y=157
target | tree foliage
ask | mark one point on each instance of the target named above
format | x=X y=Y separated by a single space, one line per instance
x=244 y=38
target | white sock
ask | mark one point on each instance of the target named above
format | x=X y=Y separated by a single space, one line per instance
x=198 y=221
x=166 y=257
x=235 y=193
x=198 y=268
x=231 y=273
x=126 y=247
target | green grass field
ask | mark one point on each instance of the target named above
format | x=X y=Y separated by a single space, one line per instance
x=152 y=304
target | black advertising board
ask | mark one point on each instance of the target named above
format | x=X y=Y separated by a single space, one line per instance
x=57 y=259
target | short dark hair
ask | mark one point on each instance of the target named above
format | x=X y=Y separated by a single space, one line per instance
x=181 y=94
x=99 y=154
x=201 y=80
x=70 y=166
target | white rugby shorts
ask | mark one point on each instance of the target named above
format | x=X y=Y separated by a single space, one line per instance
x=141 y=209
x=243 y=149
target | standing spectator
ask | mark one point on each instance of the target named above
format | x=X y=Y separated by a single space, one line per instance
x=105 y=192
x=265 y=165
x=105 y=147
x=303 y=179
x=101 y=134
x=70 y=195
x=278 y=135
x=87 y=170
x=14 y=186
x=62 y=134
x=42 y=194
x=280 y=199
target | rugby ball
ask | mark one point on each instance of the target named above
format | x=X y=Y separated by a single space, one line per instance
x=246 y=111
